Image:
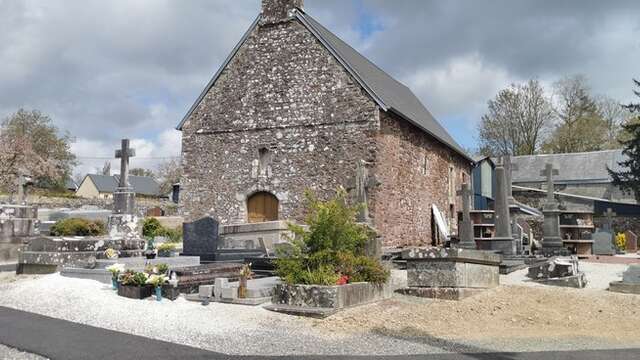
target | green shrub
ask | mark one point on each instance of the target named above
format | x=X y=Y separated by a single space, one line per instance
x=78 y=227
x=167 y=247
x=150 y=227
x=331 y=248
x=172 y=235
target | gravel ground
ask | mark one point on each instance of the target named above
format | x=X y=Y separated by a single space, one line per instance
x=522 y=317
x=8 y=353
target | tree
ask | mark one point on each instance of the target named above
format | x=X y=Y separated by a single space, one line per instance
x=629 y=177
x=614 y=115
x=516 y=121
x=169 y=173
x=31 y=145
x=106 y=168
x=581 y=126
x=141 y=172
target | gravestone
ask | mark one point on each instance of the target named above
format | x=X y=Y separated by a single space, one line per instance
x=123 y=223
x=503 y=240
x=467 y=240
x=201 y=238
x=630 y=283
x=551 y=239
x=603 y=243
x=632 y=241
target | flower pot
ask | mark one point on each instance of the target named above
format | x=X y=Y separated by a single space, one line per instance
x=170 y=292
x=158 y=293
x=114 y=283
x=242 y=289
x=150 y=255
x=135 y=292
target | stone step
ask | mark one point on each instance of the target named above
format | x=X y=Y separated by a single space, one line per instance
x=314 y=312
x=61 y=258
x=81 y=244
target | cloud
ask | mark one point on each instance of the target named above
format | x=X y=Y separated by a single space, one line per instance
x=106 y=70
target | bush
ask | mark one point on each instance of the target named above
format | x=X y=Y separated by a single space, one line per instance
x=167 y=247
x=332 y=249
x=172 y=235
x=78 y=227
x=150 y=227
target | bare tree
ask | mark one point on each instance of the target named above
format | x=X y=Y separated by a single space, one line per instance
x=169 y=173
x=516 y=121
x=580 y=126
x=614 y=114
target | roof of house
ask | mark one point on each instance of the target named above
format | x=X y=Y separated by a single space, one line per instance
x=387 y=92
x=143 y=185
x=586 y=167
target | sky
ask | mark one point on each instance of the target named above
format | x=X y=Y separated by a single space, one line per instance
x=106 y=70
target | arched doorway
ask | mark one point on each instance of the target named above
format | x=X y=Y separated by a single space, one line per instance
x=262 y=207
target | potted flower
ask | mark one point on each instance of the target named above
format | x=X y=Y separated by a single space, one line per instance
x=157 y=281
x=115 y=271
x=167 y=250
x=133 y=285
x=245 y=274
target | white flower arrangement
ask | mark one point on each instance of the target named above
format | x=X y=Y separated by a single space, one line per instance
x=115 y=269
x=157 y=280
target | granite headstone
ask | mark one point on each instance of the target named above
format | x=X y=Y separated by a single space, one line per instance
x=201 y=238
x=603 y=243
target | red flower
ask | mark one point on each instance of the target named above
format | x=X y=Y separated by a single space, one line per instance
x=344 y=279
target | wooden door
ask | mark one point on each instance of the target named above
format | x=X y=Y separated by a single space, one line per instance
x=262 y=207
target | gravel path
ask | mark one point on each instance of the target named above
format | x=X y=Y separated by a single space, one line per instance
x=8 y=353
x=509 y=318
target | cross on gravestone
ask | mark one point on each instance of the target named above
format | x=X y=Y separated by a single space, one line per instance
x=466 y=227
x=609 y=214
x=549 y=172
x=124 y=154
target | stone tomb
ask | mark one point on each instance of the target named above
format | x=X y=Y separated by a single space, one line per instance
x=450 y=274
x=630 y=283
x=603 y=243
x=632 y=241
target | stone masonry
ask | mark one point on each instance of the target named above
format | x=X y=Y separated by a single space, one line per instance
x=284 y=116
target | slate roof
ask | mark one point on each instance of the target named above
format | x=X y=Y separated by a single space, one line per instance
x=142 y=185
x=586 y=167
x=387 y=92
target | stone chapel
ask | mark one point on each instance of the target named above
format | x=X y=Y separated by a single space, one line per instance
x=294 y=108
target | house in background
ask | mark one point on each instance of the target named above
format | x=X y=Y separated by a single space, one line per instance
x=483 y=179
x=103 y=186
x=582 y=174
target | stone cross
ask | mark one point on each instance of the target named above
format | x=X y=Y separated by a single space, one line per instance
x=548 y=172
x=124 y=154
x=609 y=214
x=466 y=226
x=508 y=170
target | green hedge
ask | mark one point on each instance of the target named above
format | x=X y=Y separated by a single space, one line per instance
x=78 y=227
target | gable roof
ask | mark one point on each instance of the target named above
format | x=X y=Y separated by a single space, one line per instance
x=387 y=92
x=586 y=167
x=142 y=185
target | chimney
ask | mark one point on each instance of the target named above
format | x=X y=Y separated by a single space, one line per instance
x=276 y=11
